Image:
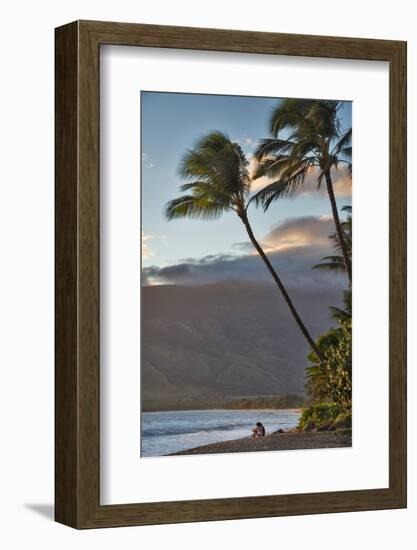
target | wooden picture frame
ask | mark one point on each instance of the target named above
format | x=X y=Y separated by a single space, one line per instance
x=77 y=405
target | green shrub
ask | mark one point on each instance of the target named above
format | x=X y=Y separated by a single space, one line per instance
x=330 y=380
x=343 y=422
x=338 y=368
x=319 y=416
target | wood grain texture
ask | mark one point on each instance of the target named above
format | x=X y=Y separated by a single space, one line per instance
x=398 y=272
x=66 y=237
x=78 y=286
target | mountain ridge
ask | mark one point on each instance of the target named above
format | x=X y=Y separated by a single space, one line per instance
x=225 y=340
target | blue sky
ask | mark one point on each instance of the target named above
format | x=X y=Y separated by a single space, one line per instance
x=171 y=124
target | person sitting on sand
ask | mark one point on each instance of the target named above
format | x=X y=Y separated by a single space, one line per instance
x=258 y=431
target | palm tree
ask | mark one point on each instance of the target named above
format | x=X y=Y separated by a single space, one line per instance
x=344 y=314
x=315 y=141
x=218 y=181
x=317 y=378
x=335 y=262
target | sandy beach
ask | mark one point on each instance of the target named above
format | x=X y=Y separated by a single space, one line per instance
x=277 y=442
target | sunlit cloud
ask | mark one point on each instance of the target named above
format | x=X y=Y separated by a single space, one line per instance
x=300 y=232
x=259 y=183
x=292 y=233
x=293 y=246
x=342 y=184
x=146 y=249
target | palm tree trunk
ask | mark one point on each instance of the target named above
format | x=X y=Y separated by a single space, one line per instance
x=281 y=286
x=345 y=254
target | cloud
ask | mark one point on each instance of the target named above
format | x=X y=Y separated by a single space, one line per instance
x=146 y=250
x=299 y=232
x=259 y=183
x=295 y=233
x=146 y=161
x=293 y=247
x=342 y=184
x=247 y=143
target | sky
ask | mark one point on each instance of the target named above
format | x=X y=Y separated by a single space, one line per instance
x=186 y=251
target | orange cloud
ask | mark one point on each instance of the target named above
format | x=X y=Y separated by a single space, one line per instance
x=146 y=250
x=299 y=232
x=294 y=246
x=342 y=183
x=259 y=183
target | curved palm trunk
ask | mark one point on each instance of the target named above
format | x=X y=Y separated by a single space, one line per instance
x=281 y=286
x=345 y=254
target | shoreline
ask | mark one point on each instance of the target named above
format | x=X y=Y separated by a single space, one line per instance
x=285 y=401
x=291 y=440
x=291 y=409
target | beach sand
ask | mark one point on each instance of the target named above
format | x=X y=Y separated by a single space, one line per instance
x=277 y=442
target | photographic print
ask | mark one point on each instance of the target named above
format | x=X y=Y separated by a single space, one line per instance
x=203 y=268
x=246 y=275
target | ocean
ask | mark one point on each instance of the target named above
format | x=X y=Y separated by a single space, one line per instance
x=172 y=431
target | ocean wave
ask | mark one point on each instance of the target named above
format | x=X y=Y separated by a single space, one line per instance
x=178 y=430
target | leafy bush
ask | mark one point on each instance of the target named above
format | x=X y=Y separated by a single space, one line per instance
x=343 y=422
x=319 y=416
x=338 y=367
x=330 y=380
x=317 y=384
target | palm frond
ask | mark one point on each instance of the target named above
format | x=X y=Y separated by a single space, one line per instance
x=309 y=116
x=275 y=167
x=189 y=206
x=339 y=314
x=217 y=179
x=286 y=187
x=346 y=152
x=336 y=262
x=323 y=117
x=290 y=113
x=268 y=147
x=331 y=263
x=345 y=314
x=343 y=143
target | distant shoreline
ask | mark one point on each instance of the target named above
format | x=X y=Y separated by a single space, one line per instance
x=220 y=408
x=255 y=402
x=291 y=440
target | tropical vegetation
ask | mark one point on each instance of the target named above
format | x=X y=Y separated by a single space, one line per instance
x=329 y=378
x=307 y=138
x=218 y=181
x=307 y=141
